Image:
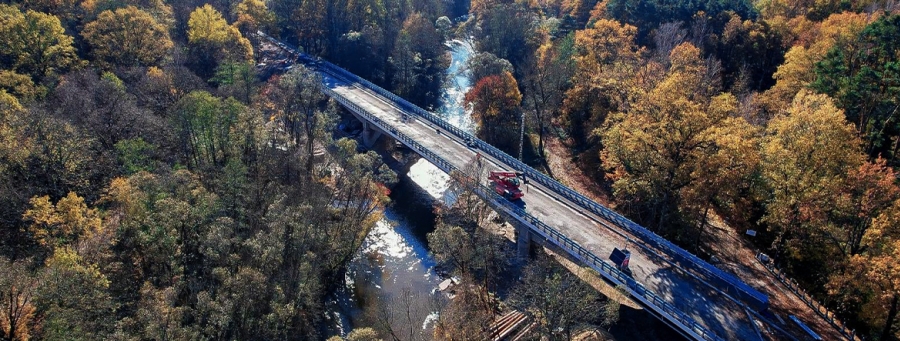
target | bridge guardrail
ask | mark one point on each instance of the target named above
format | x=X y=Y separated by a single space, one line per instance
x=551 y=234
x=685 y=259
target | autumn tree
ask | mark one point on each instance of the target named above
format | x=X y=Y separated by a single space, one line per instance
x=657 y=151
x=19 y=85
x=547 y=76
x=17 y=290
x=417 y=57
x=127 y=37
x=252 y=16
x=213 y=41
x=605 y=56
x=56 y=225
x=495 y=105
x=806 y=155
x=799 y=67
x=557 y=299
x=878 y=293
x=101 y=104
x=34 y=43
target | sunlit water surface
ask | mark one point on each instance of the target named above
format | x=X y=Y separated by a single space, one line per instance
x=394 y=257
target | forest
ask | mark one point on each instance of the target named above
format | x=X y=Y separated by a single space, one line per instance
x=156 y=185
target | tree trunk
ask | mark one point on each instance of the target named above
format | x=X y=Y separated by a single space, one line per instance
x=892 y=315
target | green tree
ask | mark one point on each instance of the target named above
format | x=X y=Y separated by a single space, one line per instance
x=73 y=299
x=34 y=43
x=205 y=128
x=864 y=80
x=483 y=64
x=127 y=37
x=297 y=103
x=506 y=30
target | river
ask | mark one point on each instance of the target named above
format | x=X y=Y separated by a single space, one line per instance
x=394 y=260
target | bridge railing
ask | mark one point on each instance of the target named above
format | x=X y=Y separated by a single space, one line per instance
x=723 y=280
x=634 y=287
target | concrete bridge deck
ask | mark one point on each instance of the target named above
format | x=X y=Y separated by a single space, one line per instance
x=722 y=316
x=681 y=293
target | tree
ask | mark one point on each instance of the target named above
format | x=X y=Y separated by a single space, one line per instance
x=213 y=41
x=417 y=57
x=73 y=298
x=127 y=37
x=205 y=124
x=19 y=85
x=297 y=105
x=100 y=104
x=238 y=80
x=17 y=311
x=879 y=294
x=806 y=155
x=495 y=105
x=506 y=30
x=63 y=223
x=252 y=16
x=557 y=299
x=483 y=64
x=864 y=80
x=605 y=56
x=657 y=150
x=547 y=75
x=34 y=43
x=799 y=67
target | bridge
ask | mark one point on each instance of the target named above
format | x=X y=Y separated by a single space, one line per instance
x=692 y=296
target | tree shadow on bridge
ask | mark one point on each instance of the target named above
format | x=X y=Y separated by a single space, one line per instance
x=709 y=307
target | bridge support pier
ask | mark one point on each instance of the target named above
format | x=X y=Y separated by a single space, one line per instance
x=523 y=242
x=369 y=134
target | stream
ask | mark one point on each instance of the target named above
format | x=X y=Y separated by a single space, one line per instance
x=394 y=260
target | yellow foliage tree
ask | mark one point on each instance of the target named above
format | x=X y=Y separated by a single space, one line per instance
x=34 y=43
x=209 y=30
x=253 y=15
x=17 y=289
x=798 y=69
x=61 y=224
x=127 y=37
x=806 y=155
x=674 y=147
x=606 y=61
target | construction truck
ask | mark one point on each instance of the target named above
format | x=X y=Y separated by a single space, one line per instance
x=507 y=184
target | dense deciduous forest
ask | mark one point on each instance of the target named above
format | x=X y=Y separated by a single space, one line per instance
x=153 y=185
